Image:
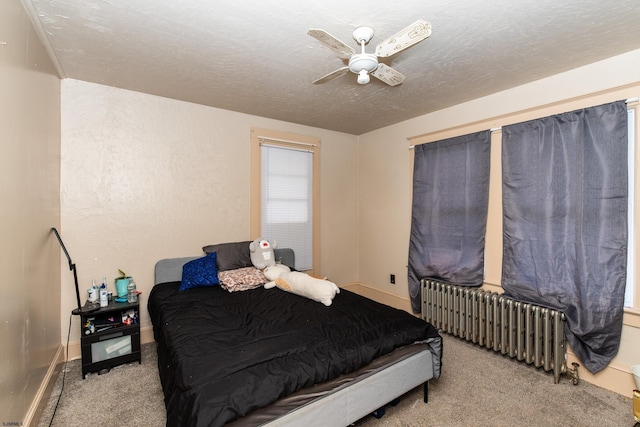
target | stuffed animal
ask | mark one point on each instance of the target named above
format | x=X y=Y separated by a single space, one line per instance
x=301 y=284
x=262 y=254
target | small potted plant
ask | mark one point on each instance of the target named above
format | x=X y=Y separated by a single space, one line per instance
x=121 y=284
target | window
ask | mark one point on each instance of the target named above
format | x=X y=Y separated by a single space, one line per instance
x=494 y=244
x=286 y=199
x=630 y=288
x=284 y=185
x=449 y=211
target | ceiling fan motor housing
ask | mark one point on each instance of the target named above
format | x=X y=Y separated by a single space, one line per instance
x=364 y=64
x=363 y=61
x=363 y=34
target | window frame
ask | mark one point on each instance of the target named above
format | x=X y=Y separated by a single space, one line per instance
x=632 y=299
x=284 y=140
x=493 y=242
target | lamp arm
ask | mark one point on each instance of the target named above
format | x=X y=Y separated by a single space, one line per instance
x=72 y=267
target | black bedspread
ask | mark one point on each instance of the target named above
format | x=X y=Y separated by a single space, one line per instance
x=222 y=355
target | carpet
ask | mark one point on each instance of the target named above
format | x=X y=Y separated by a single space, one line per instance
x=478 y=387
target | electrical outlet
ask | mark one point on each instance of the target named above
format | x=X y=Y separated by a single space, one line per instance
x=392 y=279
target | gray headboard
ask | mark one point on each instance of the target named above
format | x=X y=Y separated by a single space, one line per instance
x=285 y=256
x=170 y=269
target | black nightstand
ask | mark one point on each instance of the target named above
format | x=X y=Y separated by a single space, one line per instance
x=110 y=337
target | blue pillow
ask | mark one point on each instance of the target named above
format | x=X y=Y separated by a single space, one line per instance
x=200 y=272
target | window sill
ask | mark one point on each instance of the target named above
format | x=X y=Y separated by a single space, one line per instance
x=631 y=317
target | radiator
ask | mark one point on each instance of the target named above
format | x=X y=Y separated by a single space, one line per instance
x=527 y=332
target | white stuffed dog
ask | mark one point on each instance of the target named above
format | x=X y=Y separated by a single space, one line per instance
x=262 y=255
x=301 y=284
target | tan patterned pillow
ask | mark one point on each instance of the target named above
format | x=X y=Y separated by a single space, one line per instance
x=241 y=279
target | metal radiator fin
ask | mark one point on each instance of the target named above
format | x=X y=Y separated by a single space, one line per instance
x=524 y=331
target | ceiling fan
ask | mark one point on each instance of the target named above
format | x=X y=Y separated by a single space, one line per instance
x=365 y=64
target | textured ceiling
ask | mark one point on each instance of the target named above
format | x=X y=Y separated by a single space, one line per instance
x=255 y=56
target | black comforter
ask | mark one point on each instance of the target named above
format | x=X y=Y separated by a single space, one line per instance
x=222 y=355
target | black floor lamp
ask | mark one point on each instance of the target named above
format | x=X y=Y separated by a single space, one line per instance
x=89 y=306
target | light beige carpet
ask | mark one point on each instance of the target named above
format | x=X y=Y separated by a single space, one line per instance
x=478 y=388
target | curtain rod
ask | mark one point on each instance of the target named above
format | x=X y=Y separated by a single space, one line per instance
x=265 y=139
x=496 y=129
x=490 y=130
x=288 y=147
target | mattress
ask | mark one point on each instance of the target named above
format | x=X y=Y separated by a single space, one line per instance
x=350 y=396
x=224 y=355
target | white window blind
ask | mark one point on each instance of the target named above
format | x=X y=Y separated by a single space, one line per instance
x=287 y=189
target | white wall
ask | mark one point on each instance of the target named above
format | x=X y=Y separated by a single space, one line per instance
x=29 y=207
x=145 y=178
x=384 y=160
x=385 y=175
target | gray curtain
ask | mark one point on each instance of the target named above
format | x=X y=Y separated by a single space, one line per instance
x=449 y=212
x=565 y=222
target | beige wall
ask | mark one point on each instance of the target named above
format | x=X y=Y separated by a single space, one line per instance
x=29 y=189
x=385 y=181
x=139 y=178
x=145 y=178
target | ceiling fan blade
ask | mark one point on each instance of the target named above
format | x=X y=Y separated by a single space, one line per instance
x=332 y=75
x=388 y=75
x=343 y=50
x=403 y=39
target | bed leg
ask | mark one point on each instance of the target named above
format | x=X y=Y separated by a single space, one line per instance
x=426 y=391
x=379 y=413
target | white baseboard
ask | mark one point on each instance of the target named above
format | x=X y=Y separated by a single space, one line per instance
x=146 y=335
x=614 y=377
x=44 y=391
x=380 y=296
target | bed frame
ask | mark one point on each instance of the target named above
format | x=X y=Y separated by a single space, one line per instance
x=363 y=395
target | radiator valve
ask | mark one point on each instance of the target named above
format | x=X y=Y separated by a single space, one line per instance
x=573 y=373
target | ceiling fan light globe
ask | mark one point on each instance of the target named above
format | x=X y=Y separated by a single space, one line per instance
x=363 y=77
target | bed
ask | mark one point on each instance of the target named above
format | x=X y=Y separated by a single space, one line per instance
x=265 y=356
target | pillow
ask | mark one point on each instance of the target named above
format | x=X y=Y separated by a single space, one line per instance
x=302 y=284
x=241 y=279
x=231 y=256
x=200 y=272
